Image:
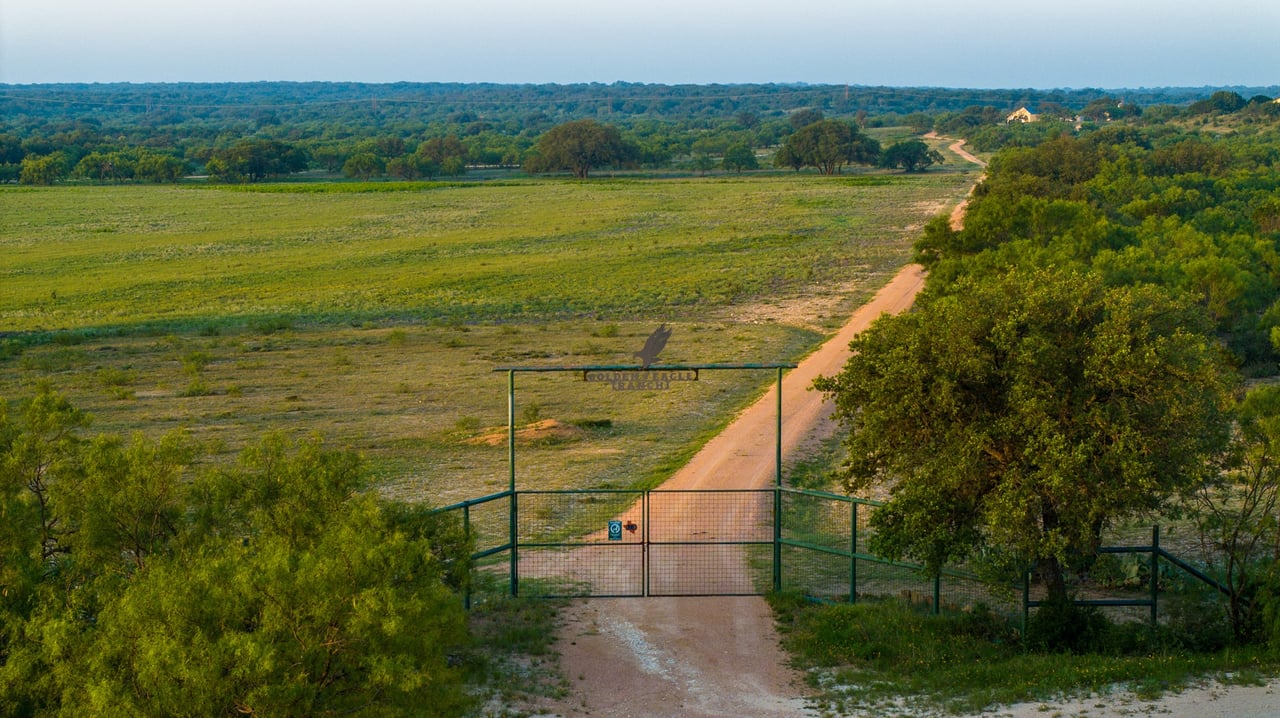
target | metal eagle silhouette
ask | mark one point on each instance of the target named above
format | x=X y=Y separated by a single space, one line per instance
x=653 y=346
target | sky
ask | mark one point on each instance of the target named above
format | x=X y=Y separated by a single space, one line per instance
x=913 y=43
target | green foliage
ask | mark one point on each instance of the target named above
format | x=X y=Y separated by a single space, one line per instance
x=739 y=157
x=827 y=145
x=43 y=170
x=1268 y=598
x=1027 y=411
x=1137 y=206
x=273 y=587
x=580 y=146
x=911 y=156
x=1059 y=624
x=1237 y=512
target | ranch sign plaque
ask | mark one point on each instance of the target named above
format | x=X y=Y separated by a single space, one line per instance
x=645 y=378
x=641 y=380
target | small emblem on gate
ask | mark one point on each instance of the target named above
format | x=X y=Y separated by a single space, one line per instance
x=615 y=530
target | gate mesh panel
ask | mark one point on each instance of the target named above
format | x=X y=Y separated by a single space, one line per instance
x=816 y=519
x=815 y=573
x=601 y=570
x=710 y=516
x=710 y=542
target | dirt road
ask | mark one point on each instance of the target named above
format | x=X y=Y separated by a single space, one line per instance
x=711 y=656
x=715 y=656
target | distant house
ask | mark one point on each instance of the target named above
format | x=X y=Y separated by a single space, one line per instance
x=1022 y=114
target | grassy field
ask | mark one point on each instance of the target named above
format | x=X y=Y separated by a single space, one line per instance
x=376 y=318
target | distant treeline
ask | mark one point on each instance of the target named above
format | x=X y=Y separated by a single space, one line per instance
x=161 y=132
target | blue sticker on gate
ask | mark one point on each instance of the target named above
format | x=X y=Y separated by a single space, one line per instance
x=615 y=530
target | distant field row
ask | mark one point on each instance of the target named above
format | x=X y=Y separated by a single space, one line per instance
x=110 y=257
x=376 y=319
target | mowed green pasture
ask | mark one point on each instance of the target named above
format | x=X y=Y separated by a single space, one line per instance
x=376 y=318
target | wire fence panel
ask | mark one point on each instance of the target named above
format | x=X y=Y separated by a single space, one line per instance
x=710 y=569
x=596 y=570
x=579 y=517
x=705 y=543
x=817 y=519
x=711 y=516
x=817 y=574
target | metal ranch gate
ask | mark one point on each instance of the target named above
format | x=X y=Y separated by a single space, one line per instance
x=715 y=542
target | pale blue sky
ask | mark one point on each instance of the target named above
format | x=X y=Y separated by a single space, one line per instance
x=979 y=43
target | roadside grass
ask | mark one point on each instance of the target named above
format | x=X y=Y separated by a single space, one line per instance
x=512 y=660
x=890 y=656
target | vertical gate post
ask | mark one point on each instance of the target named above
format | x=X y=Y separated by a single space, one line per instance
x=512 y=530
x=466 y=532
x=777 y=494
x=853 y=551
x=644 y=544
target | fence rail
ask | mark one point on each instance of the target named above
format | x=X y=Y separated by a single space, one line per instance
x=632 y=543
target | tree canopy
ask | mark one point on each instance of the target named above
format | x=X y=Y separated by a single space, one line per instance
x=1026 y=412
x=579 y=147
x=131 y=584
x=911 y=156
x=827 y=145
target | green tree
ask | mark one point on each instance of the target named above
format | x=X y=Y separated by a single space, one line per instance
x=1026 y=412
x=276 y=587
x=159 y=168
x=1238 y=511
x=739 y=157
x=804 y=117
x=363 y=165
x=579 y=147
x=104 y=166
x=295 y=594
x=911 y=156
x=44 y=170
x=256 y=159
x=828 y=145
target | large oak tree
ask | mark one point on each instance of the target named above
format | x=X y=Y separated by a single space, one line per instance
x=579 y=147
x=1026 y=412
x=828 y=145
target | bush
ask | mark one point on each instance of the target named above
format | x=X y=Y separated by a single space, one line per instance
x=1061 y=625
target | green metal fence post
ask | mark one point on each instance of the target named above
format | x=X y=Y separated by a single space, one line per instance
x=777 y=494
x=466 y=532
x=853 y=552
x=511 y=482
x=515 y=548
x=644 y=544
x=1155 y=573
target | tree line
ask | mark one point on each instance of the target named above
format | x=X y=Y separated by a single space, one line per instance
x=146 y=133
x=579 y=146
x=1078 y=360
